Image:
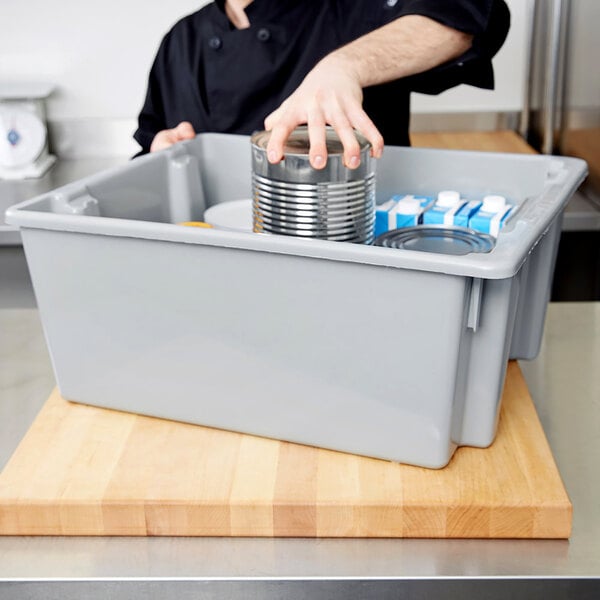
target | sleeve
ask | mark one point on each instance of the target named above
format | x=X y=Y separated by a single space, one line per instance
x=487 y=20
x=470 y=16
x=152 y=119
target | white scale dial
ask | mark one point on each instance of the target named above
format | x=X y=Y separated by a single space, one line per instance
x=22 y=137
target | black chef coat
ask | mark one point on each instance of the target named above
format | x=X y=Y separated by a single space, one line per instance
x=228 y=80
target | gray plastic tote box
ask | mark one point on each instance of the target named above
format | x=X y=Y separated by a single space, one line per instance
x=396 y=354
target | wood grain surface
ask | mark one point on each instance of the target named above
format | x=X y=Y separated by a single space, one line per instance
x=585 y=143
x=82 y=470
x=481 y=141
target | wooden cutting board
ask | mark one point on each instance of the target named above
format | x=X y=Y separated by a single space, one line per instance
x=89 y=471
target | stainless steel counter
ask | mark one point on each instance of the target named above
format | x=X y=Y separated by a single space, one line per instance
x=565 y=384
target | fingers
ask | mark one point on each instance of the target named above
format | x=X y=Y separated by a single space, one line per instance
x=162 y=140
x=184 y=131
x=317 y=139
x=351 y=118
x=271 y=119
x=361 y=121
x=167 y=137
x=343 y=128
x=280 y=132
x=345 y=122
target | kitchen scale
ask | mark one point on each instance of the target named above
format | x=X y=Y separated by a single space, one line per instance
x=24 y=150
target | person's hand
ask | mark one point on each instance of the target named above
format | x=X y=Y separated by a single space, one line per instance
x=167 y=137
x=329 y=95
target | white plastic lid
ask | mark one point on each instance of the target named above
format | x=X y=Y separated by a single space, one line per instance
x=448 y=198
x=493 y=204
x=233 y=215
x=408 y=205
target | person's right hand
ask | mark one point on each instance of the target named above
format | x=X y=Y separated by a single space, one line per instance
x=330 y=94
x=167 y=137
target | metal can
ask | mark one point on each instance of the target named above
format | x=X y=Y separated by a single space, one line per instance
x=292 y=198
x=441 y=239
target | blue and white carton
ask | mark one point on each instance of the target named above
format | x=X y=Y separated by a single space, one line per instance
x=463 y=216
x=400 y=211
x=492 y=215
x=445 y=209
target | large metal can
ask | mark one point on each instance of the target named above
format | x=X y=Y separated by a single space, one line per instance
x=292 y=198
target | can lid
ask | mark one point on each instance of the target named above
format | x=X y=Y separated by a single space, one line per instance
x=493 y=204
x=448 y=198
x=298 y=143
x=456 y=241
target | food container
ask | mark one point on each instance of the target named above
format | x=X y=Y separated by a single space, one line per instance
x=235 y=215
x=393 y=353
x=439 y=239
x=292 y=198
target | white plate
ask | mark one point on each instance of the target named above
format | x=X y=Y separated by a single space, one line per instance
x=235 y=215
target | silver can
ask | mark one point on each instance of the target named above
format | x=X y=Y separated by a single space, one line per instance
x=292 y=198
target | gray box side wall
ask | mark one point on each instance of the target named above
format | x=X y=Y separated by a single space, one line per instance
x=285 y=347
x=398 y=355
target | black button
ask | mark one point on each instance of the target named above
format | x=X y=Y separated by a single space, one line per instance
x=263 y=34
x=215 y=42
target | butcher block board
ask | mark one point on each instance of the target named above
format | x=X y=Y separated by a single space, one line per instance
x=82 y=470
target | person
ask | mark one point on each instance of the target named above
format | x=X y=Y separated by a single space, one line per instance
x=238 y=66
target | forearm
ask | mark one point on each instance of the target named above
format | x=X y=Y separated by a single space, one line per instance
x=331 y=94
x=409 y=45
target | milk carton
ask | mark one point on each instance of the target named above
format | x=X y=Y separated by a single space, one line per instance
x=492 y=215
x=400 y=211
x=463 y=216
x=445 y=209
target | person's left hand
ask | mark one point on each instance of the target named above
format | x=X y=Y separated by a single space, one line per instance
x=167 y=137
x=329 y=95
